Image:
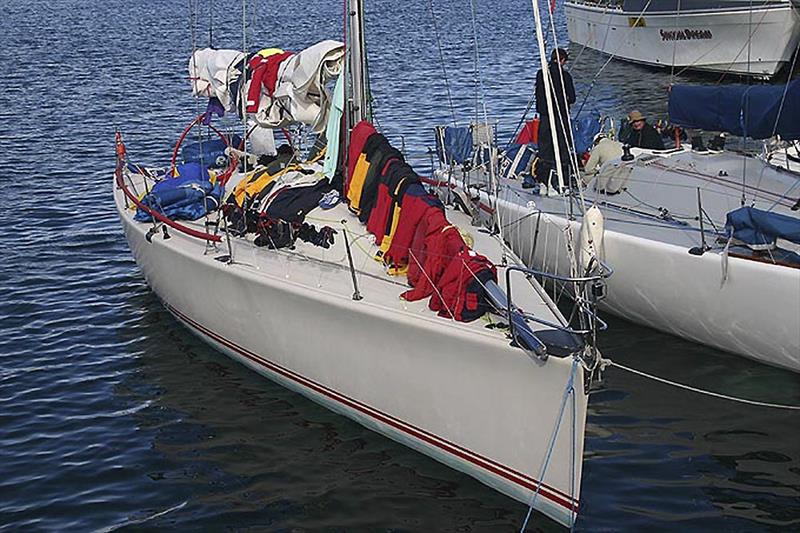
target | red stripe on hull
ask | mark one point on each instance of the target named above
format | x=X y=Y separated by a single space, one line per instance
x=518 y=478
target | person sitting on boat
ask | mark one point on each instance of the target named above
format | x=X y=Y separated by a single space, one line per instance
x=604 y=162
x=563 y=96
x=641 y=134
x=605 y=149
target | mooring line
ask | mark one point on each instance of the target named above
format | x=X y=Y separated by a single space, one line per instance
x=608 y=362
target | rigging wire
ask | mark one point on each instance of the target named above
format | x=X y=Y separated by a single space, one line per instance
x=480 y=94
x=569 y=390
x=566 y=128
x=611 y=56
x=785 y=90
x=254 y=19
x=488 y=129
x=674 y=49
x=605 y=38
x=747 y=101
x=441 y=60
x=739 y=53
x=211 y=24
x=194 y=9
x=245 y=65
x=532 y=98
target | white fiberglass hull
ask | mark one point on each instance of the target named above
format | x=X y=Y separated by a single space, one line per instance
x=713 y=40
x=748 y=306
x=456 y=392
x=754 y=312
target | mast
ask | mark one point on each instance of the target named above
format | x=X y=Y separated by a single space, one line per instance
x=356 y=63
x=548 y=87
x=356 y=106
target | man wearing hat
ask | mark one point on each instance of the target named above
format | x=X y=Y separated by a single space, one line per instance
x=641 y=134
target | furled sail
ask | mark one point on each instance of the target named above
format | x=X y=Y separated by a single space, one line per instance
x=757 y=111
x=281 y=87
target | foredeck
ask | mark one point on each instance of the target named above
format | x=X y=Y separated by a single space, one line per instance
x=327 y=271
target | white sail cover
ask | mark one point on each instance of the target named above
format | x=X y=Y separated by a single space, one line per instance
x=300 y=94
x=213 y=71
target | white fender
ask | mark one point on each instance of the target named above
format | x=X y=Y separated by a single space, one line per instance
x=590 y=241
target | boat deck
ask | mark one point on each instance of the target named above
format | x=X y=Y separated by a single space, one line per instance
x=660 y=199
x=327 y=270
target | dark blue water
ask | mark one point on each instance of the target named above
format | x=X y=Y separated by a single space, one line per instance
x=113 y=416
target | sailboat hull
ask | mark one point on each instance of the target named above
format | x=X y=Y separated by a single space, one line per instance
x=737 y=305
x=712 y=40
x=452 y=392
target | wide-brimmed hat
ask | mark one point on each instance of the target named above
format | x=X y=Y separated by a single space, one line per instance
x=635 y=115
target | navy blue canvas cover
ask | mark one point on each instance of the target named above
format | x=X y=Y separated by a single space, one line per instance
x=457 y=144
x=759 y=228
x=188 y=196
x=755 y=111
x=513 y=164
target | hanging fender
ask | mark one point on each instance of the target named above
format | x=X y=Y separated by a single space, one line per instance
x=590 y=241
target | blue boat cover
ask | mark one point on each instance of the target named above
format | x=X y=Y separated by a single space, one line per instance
x=584 y=128
x=761 y=228
x=188 y=196
x=457 y=144
x=757 y=111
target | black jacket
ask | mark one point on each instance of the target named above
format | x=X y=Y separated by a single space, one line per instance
x=561 y=92
x=647 y=137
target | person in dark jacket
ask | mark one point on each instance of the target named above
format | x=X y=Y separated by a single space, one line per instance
x=641 y=134
x=563 y=96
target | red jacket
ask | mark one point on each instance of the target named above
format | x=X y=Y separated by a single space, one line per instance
x=461 y=287
x=380 y=213
x=415 y=203
x=358 y=138
x=265 y=72
x=435 y=244
x=381 y=210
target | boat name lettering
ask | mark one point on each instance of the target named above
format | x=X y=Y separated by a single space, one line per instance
x=684 y=35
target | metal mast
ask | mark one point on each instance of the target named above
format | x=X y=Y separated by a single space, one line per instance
x=356 y=62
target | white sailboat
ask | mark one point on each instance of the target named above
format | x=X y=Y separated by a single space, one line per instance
x=730 y=297
x=671 y=224
x=502 y=398
x=752 y=38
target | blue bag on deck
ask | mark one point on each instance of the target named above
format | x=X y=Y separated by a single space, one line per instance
x=760 y=229
x=188 y=196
